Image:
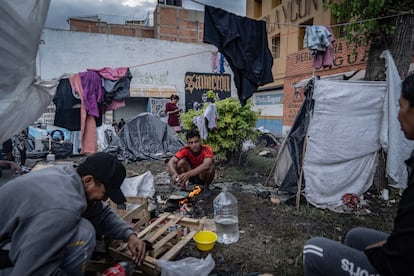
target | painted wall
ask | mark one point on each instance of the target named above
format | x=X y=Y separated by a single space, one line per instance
x=156 y=65
x=270 y=105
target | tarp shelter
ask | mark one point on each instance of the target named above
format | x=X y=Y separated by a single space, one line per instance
x=145 y=137
x=23 y=97
x=343 y=138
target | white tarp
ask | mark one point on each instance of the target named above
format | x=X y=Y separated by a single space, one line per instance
x=342 y=140
x=393 y=141
x=23 y=99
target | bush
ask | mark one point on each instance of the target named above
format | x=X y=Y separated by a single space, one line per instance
x=235 y=125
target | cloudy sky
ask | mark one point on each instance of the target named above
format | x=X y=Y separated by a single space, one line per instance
x=60 y=10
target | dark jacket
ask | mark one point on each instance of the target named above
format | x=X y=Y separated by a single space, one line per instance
x=243 y=42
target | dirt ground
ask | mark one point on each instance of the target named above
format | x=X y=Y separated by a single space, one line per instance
x=271 y=234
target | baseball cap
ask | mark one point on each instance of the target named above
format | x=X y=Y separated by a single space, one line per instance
x=107 y=169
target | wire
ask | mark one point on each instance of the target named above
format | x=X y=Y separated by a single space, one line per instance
x=172 y=58
x=341 y=24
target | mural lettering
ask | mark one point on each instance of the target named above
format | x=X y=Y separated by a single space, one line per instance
x=290 y=12
x=196 y=86
x=214 y=82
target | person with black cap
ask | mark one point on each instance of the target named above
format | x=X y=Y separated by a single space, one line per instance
x=49 y=217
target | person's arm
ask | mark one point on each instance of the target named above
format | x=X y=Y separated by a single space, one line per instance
x=13 y=166
x=39 y=242
x=171 y=168
x=107 y=222
x=206 y=165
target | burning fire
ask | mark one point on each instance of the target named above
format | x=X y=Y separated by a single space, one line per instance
x=194 y=192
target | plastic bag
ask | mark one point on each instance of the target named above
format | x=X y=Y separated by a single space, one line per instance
x=187 y=266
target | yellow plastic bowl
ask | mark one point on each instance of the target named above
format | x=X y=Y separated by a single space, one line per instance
x=205 y=240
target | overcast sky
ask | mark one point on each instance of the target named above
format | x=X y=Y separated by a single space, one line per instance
x=60 y=10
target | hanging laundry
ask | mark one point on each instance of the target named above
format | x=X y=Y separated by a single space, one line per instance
x=88 y=122
x=210 y=114
x=319 y=40
x=92 y=92
x=67 y=113
x=116 y=84
x=243 y=42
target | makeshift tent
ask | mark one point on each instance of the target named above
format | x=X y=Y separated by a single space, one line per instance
x=23 y=97
x=145 y=137
x=342 y=140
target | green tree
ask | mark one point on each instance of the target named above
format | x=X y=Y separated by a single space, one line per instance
x=235 y=125
x=387 y=24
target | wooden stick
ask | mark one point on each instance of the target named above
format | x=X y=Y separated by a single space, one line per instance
x=301 y=175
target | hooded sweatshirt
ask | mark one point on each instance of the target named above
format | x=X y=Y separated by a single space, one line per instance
x=40 y=212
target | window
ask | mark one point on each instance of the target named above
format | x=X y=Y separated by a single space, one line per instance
x=302 y=31
x=257 y=8
x=276 y=3
x=276 y=46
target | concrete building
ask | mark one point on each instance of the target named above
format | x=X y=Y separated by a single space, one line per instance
x=173 y=23
x=159 y=68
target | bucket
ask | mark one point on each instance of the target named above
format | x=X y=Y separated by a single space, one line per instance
x=205 y=240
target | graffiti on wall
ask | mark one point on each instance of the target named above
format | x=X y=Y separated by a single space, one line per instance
x=197 y=84
x=157 y=107
x=149 y=78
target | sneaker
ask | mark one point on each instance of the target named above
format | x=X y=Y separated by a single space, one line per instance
x=206 y=192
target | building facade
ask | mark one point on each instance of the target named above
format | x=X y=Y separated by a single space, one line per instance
x=292 y=63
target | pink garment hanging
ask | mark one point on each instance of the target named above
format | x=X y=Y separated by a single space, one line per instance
x=111 y=73
x=325 y=59
x=114 y=105
x=88 y=123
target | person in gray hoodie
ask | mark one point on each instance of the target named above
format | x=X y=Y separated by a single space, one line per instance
x=49 y=217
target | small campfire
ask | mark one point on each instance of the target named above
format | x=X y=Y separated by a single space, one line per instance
x=182 y=203
x=193 y=193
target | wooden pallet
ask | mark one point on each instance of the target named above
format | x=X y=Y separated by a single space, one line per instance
x=136 y=215
x=169 y=234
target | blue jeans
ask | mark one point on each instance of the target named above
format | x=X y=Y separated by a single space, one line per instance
x=322 y=256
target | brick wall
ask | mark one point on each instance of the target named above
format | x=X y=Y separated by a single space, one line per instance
x=92 y=26
x=170 y=23
x=177 y=24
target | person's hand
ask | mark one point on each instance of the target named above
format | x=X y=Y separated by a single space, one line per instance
x=184 y=177
x=377 y=244
x=15 y=168
x=137 y=248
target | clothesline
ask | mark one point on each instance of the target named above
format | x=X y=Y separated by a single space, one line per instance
x=333 y=25
x=172 y=58
x=341 y=24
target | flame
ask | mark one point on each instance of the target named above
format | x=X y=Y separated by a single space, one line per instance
x=194 y=192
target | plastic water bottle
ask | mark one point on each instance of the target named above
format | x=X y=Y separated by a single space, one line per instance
x=226 y=217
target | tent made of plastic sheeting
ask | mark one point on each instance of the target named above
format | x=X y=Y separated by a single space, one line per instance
x=340 y=133
x=145 y=137
x=23 y=98
x=342 y=140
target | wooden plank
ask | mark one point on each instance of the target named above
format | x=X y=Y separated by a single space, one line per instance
x=142 y=222
x=176 y=248
x=163 y=228
x=159 y=246
x=153 y=225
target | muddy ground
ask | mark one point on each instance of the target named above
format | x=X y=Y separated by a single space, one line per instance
x=272 y=234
